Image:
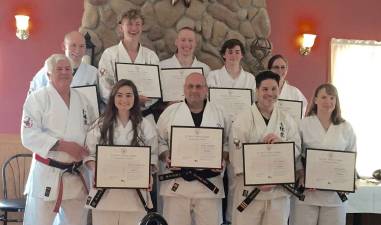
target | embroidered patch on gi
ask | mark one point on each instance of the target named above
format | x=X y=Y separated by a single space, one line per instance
x=28 y=122
x=281 y=128
x=84 y=114
x=245 y=193
x=102 y=71
x=47 y=191
x=88 y=200
x=174 y=187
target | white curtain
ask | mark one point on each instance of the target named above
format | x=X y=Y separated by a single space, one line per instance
x=356 y=72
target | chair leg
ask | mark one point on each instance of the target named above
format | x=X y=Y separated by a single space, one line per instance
x=5 y=218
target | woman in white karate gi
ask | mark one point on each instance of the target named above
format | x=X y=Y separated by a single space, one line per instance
x=323 y=128
x=263 y=122
x=278 y=64
x=121 y=124
x=231 y=75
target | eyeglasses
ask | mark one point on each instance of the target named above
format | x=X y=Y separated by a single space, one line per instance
x=279 y=67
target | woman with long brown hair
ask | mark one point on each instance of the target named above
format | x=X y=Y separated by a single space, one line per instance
x=121 y=124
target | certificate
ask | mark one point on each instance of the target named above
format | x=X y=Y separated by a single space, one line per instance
x=269 y=163
x=294 y=108
x=145 y=77
x=231 y=100
x=199 y=147
x=90 y=92
x=330 y=170
x=122 y=166
x=172 y=82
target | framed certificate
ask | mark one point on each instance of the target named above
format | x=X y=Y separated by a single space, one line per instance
x=172 y=82
x=91 y=94
x=145 y=77
x=330 y=170
x=232 y=100
x=269 y=163
x=122 y=166
x=294 y=108
x=196 y=147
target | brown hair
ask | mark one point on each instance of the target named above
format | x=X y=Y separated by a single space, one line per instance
x=131 y=14
x=336 y=114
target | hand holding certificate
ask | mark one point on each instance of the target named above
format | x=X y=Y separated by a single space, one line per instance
x=122 y=167
x=269 y=163
x=172 y=81
x=145 y=77
x=330 y=170
x=193 y=147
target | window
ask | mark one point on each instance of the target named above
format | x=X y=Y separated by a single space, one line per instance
x=356 y=73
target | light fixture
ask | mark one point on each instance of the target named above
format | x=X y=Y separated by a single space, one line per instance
x=307 y=43
x=22 y=24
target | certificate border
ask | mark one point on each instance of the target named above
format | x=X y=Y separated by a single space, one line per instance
x=243 y=159
x=97 y=95
x=328 y=150
x=222 y=144
x=301 y=108
x=142 y=64
x=251 y=92
x=112 y=146
x=177 y=68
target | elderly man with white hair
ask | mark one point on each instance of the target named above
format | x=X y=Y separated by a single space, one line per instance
x=54 y=123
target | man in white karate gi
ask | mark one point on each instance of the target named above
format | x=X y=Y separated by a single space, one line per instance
x=74 y=47
x=263 y=122
x=184 y=201
x=54 y=124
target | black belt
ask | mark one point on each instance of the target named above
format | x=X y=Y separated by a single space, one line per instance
x=191 y=175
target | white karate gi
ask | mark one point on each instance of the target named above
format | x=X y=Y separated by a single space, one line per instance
x=268 y=208
x=123 y=206
x=323 y=206
x=190 y=196
x=173 y=62
x=85 y=75
x=46 y=119
x=118 y=53
x=290 y=92
x=221 y=78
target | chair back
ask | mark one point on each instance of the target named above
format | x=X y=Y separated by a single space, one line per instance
x=15 y=174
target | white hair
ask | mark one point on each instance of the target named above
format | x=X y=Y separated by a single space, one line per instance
x=51 y=62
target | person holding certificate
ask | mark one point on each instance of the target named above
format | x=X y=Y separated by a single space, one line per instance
x=278 y=64
x=129 y=50
x=185 y=201
x=323 y=128
x=54 y=124
x=184 y=57
x=121 y=124
x=231 y=75
x=263 y=122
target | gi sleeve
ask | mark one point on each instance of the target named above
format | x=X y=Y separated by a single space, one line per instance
x=33 y=135
x=106 y=75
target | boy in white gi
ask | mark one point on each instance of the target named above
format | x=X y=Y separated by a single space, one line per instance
x=323 y=128
x=263 y=122
x=129 y=50
x=74 y=47
x=183 y=200
x=54 y=123
x=121 y=124
x=278 y=64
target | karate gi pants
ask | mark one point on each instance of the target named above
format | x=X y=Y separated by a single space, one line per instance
x=71 y=212
x=102 y=217
x=303 y=214
x=202 y=211
x=263 y=212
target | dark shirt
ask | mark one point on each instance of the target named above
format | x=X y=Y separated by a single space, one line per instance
x=197 y=117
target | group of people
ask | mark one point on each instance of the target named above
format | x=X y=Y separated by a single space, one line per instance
x=58 y=127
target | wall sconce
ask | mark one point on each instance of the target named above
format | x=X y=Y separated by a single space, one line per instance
x=307 y=43
x=22 y=24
